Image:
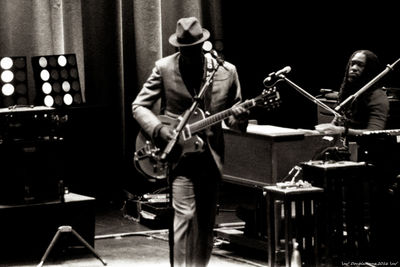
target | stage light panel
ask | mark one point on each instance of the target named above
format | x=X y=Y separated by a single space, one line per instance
x=13 y=81
x=57 y=80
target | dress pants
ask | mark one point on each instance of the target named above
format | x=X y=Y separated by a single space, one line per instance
x=194 y=199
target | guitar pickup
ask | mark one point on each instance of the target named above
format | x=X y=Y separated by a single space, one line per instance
x=186 y=133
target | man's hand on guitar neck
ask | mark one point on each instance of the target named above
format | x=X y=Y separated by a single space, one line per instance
x=165 y=133
x=240 y=113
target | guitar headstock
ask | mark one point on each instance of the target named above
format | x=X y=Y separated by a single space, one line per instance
x=269 y=98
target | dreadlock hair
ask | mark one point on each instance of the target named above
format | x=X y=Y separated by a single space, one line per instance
x=371 y=69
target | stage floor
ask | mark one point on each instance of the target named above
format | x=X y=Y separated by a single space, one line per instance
x=122 y=241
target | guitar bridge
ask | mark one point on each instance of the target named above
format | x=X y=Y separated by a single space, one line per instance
x=148 y=150
x=147 y=161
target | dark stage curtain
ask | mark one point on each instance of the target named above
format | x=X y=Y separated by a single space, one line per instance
x=34 y=27
x=116 y=43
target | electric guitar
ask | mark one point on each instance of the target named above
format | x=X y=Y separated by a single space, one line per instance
x=147 y=156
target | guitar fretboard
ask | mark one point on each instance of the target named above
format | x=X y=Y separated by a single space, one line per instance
x=213 y=119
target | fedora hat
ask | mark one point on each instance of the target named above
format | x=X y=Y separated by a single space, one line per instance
x=188 y=32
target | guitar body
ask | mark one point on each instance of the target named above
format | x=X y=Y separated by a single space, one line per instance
x=147 y=155
x=147 y=158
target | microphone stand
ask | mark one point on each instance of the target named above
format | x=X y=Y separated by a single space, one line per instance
x=311 y=97
x=338 y=116
x=183 y=121
x=367 y=86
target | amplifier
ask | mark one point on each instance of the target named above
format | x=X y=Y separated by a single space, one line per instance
x=321 y=173
x=152 y=210
x=31 y=171
x=265 y=154
x=382 y=149
x=348 y=208
x=31 y=154
x=30 y=123
x=325 y=116
x=27 y=229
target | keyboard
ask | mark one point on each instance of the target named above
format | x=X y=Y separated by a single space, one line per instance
x=387 y=132
x=392 y=135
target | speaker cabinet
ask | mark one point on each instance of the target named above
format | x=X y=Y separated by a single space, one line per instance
x=265 y=154
x=26 y=230
x=31 y=171
x=325 y=116
x=348 y=207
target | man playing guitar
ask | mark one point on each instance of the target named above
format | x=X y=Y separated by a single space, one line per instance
x=176 y=80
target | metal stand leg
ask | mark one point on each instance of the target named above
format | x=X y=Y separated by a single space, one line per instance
x=52 y=243
x=64 y=229
x=88 y=246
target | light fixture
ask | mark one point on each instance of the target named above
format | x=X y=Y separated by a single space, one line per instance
x=13 y=81
x=57 y=81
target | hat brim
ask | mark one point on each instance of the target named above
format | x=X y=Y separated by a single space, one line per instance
x=174 y=41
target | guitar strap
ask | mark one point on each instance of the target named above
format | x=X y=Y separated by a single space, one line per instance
x=209 y=70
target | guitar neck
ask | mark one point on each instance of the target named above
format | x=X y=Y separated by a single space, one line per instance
x=213 y=119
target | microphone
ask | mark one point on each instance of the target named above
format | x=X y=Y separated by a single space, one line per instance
x=207 y=48
x=273 y=75
x=214 y=54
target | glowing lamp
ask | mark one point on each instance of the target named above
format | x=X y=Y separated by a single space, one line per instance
x=57 y=80
x=13 y=81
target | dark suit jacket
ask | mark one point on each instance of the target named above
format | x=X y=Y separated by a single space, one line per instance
x=165 y=83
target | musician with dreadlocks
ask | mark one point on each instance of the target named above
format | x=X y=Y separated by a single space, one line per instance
x=370 y=110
